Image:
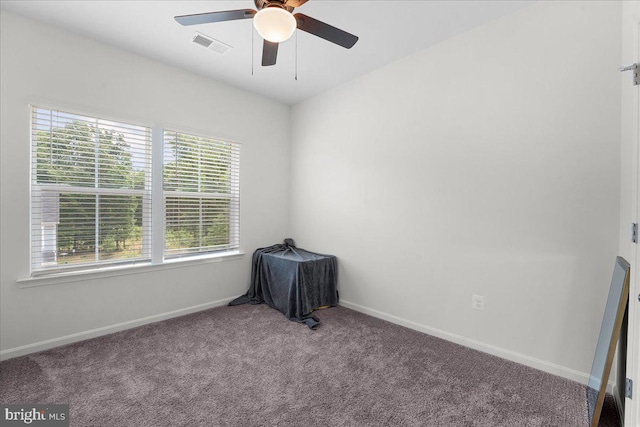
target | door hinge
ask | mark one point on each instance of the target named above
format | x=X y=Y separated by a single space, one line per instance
x=636 y=73
x=628 y=388
x=634 y=232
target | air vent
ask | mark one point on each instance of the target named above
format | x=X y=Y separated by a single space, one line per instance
x=210 y=43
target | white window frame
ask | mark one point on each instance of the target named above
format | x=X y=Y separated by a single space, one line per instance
x=154 y=257
x=233 y=196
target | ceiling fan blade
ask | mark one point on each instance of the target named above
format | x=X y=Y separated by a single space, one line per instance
x=206 y=18
x=295 y=3
x=269 y=53
x=325 y=31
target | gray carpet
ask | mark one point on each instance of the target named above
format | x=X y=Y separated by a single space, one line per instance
x=249 y=366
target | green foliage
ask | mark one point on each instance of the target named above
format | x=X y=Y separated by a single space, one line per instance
x=217 y=234
x=197 y=165
x=67 y=156
x=176 y=238
x=76 y=229
x=108 y=244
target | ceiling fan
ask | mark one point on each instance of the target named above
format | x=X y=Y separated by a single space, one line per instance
x=275 y=22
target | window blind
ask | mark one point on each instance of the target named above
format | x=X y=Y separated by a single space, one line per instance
x=91 y=191
x=201 y=194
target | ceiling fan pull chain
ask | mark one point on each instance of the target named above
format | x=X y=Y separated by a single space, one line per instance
x=296 y=56
x=252 y=55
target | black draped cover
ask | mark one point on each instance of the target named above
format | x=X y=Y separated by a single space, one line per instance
x=293 y=281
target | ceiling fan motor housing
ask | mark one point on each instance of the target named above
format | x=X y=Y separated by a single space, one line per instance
x=262 y=4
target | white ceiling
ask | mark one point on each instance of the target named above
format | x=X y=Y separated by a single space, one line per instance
x=388 y=31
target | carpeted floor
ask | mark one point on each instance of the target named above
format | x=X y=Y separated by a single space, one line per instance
x=249 y=366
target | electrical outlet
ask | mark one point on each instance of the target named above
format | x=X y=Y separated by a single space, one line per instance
x=477 y=302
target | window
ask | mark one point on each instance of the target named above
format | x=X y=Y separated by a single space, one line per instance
x=91 y=193
x=201 y=194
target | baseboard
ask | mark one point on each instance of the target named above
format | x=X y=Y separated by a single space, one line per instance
x=542 y=365
x=105 y=330
x=513 y=356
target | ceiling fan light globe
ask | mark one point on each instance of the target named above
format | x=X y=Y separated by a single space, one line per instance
x=274 y=24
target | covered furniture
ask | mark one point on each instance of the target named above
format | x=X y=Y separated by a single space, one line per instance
x=293 y=281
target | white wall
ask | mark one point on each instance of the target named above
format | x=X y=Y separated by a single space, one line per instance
x=488 y=165
x=46 y=65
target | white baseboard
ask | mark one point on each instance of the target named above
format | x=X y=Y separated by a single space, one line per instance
x=105 y=330
x=542 y=365
x=513 y=356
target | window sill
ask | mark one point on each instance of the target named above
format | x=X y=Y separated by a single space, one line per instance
x=126 y=270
